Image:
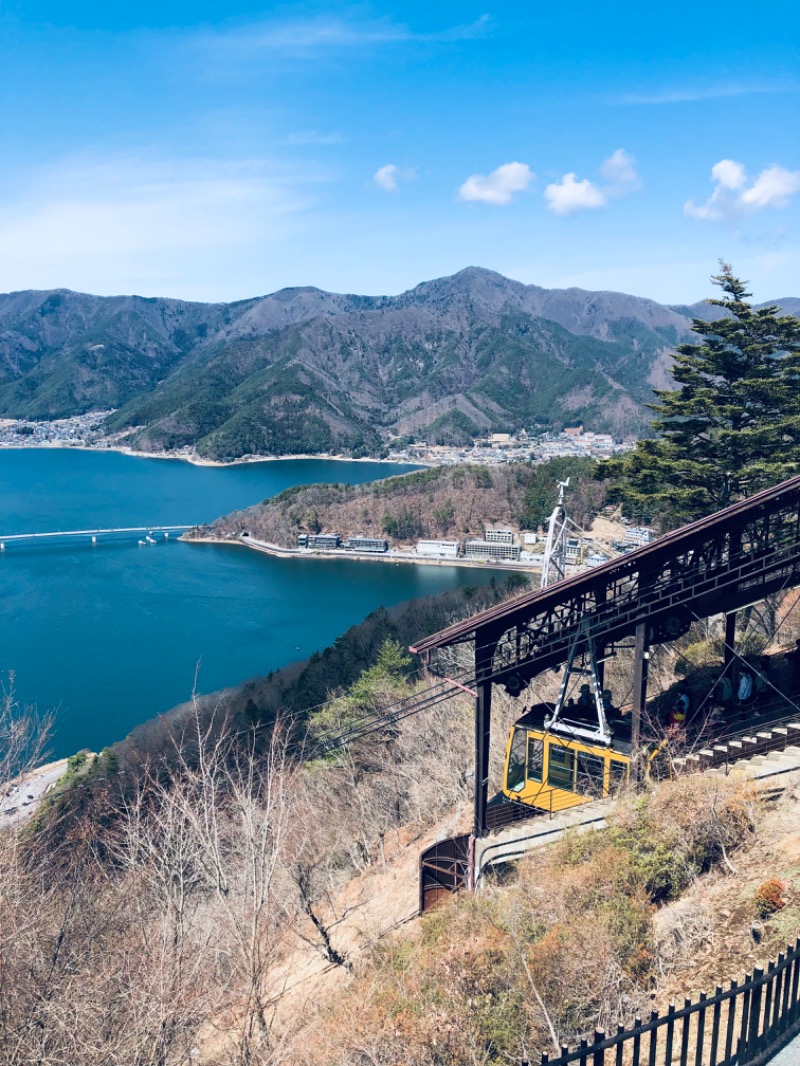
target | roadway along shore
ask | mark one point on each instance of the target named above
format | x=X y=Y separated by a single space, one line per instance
x=394 y=555
x=20 y=799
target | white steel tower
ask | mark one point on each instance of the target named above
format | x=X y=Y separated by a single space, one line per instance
x=554 y=566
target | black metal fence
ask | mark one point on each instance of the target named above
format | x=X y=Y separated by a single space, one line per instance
x=743 y=1025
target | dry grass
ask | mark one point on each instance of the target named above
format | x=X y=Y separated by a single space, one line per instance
x=249 y=909
x=575 y=940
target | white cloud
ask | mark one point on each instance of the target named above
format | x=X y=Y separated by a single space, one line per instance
x=498 y=187
x=729 y=174
x=620 y=168
x=774 y=187
x=698 y=93
x=386 y=177
x=389 y=177
x=706 y=212
x=732 y=197
x=569 y=195
x=307 y=37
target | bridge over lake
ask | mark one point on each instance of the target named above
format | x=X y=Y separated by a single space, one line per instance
x=148 y=532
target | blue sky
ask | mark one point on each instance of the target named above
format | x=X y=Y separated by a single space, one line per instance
x=217 y=152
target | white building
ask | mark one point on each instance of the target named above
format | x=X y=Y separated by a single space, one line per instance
x=445 y=549
x=639 y=535
x=481 y=549
x=596 y=559
x=574 y=551
x=499 y=536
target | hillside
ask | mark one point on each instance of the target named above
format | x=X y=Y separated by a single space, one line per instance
x=65 y=353
x=303 y=370
x=139 y=952
x=445 y=502
x=578 y=936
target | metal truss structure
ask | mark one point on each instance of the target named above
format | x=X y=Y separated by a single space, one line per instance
x=717 y=565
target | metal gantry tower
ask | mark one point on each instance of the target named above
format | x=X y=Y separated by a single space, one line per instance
x=554 y=565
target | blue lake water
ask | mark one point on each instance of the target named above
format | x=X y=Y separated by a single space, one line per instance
x=110 y=635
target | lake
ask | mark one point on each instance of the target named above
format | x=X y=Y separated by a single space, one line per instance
x=109 y=635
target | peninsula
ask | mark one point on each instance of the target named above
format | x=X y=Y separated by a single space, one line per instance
x=468 y=515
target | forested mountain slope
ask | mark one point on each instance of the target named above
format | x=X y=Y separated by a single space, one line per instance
x=302 y=370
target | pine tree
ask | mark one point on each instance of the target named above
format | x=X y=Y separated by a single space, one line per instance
x=732 y=425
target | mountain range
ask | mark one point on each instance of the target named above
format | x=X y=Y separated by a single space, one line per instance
x=307 y=371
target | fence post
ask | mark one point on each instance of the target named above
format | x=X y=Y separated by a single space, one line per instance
x=731 y=1021
x=751 y=1045
x=637 y=1040
x=768 y=990
x=620 y=1045
x=778 y=1001
x=687 y=1024
x=715 y=1018
x=670 y=1034
x=598 y=1057
x=795 y=980
x=741 y=1047
x=651 y=1059
x=787 y=988
x=701 y=1027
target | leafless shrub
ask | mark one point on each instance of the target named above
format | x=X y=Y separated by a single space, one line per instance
x=681 y=930
x=136 y=950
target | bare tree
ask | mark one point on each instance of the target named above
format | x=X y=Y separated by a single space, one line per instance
x=24 y=736
x=138 y=940
x=225 y=813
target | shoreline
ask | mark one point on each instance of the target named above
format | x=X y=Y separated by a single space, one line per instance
x=399 y=558
x=199 y=460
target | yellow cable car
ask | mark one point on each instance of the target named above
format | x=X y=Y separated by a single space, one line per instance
x=559 y=757
x=555 y=764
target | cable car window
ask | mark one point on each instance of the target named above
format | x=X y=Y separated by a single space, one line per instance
x=515 y=781
x=561 y=767
x=535 y=758
x=591 y=771
x=618 y=775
